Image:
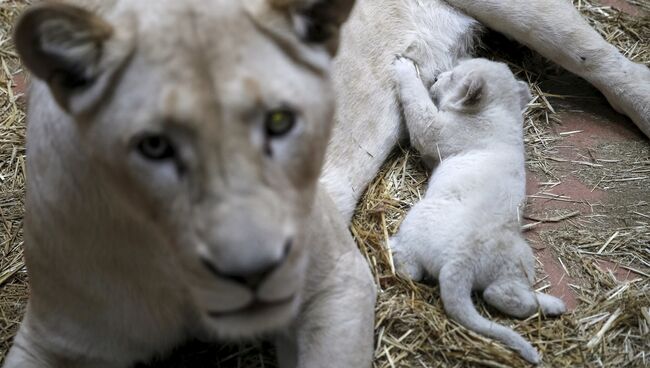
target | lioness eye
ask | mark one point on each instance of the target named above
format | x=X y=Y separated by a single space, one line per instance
x=279 y=122
x=156 y=147
x=317 y=32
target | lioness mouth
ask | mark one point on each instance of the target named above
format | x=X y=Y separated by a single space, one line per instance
x=254 y=307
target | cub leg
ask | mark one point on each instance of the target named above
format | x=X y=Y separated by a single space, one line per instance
x=515 y=298
x=556 y=30
x=420 y=113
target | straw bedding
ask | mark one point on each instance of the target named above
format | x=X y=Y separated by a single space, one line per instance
x=609 y=327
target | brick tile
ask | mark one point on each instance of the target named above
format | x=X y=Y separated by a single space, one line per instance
x=624 y=6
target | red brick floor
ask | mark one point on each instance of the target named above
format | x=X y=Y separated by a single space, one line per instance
x=624 y=6
x=590 y=122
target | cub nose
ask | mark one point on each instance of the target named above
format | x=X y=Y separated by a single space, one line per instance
x=250 y=277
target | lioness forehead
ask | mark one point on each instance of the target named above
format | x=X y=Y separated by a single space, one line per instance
x=195 y=33
x=193 y=57
x=217 y=30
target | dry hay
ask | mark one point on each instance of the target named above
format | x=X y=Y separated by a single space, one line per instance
x=13 y=278
x=609 y=328
x=611 y=324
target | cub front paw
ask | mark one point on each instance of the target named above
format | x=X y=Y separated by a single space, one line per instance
x=404 y=67
x=405 y=265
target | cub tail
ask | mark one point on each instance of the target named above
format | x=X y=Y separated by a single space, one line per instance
x=455 y=290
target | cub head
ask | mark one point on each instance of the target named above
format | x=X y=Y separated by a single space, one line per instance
x=209 y=120
x=476 y=84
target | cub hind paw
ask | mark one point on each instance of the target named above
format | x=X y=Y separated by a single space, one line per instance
x=550 y=305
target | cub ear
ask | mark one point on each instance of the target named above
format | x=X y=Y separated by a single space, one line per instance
x=318 y=21
x=64 y=46
x=524 y=94
x=471 y=91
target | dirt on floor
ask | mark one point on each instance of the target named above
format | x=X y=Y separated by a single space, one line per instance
x=587 y=217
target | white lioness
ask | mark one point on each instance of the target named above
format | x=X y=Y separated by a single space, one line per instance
x=173 y=187
x=174 y=154
x=466 y=231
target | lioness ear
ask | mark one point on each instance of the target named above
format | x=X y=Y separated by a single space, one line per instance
x=471 y=91
x=64 y=46
x=524 y=94
x=318 y=21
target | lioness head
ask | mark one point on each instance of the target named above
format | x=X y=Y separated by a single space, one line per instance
x=210 y=119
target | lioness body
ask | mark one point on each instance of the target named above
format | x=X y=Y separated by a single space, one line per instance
x=128 y=257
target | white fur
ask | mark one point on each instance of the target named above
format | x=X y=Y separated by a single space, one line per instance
x=554 y=29
x=112 y=248
x=368 y=116
x=436 y=36
x=465 y=231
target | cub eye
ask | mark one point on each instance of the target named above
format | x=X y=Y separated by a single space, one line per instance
x=279 y=122
x=156 y=147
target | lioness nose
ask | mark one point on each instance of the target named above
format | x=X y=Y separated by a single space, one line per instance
x=251 y=277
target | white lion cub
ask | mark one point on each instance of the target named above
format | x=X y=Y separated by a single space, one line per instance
x=466 y=231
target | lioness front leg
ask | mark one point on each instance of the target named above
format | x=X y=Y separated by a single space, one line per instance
x=556 y=30
x=336 y=326
x=26 y=352
x=23 y=354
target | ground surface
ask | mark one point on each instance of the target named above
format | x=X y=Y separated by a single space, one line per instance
x=588 y=218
